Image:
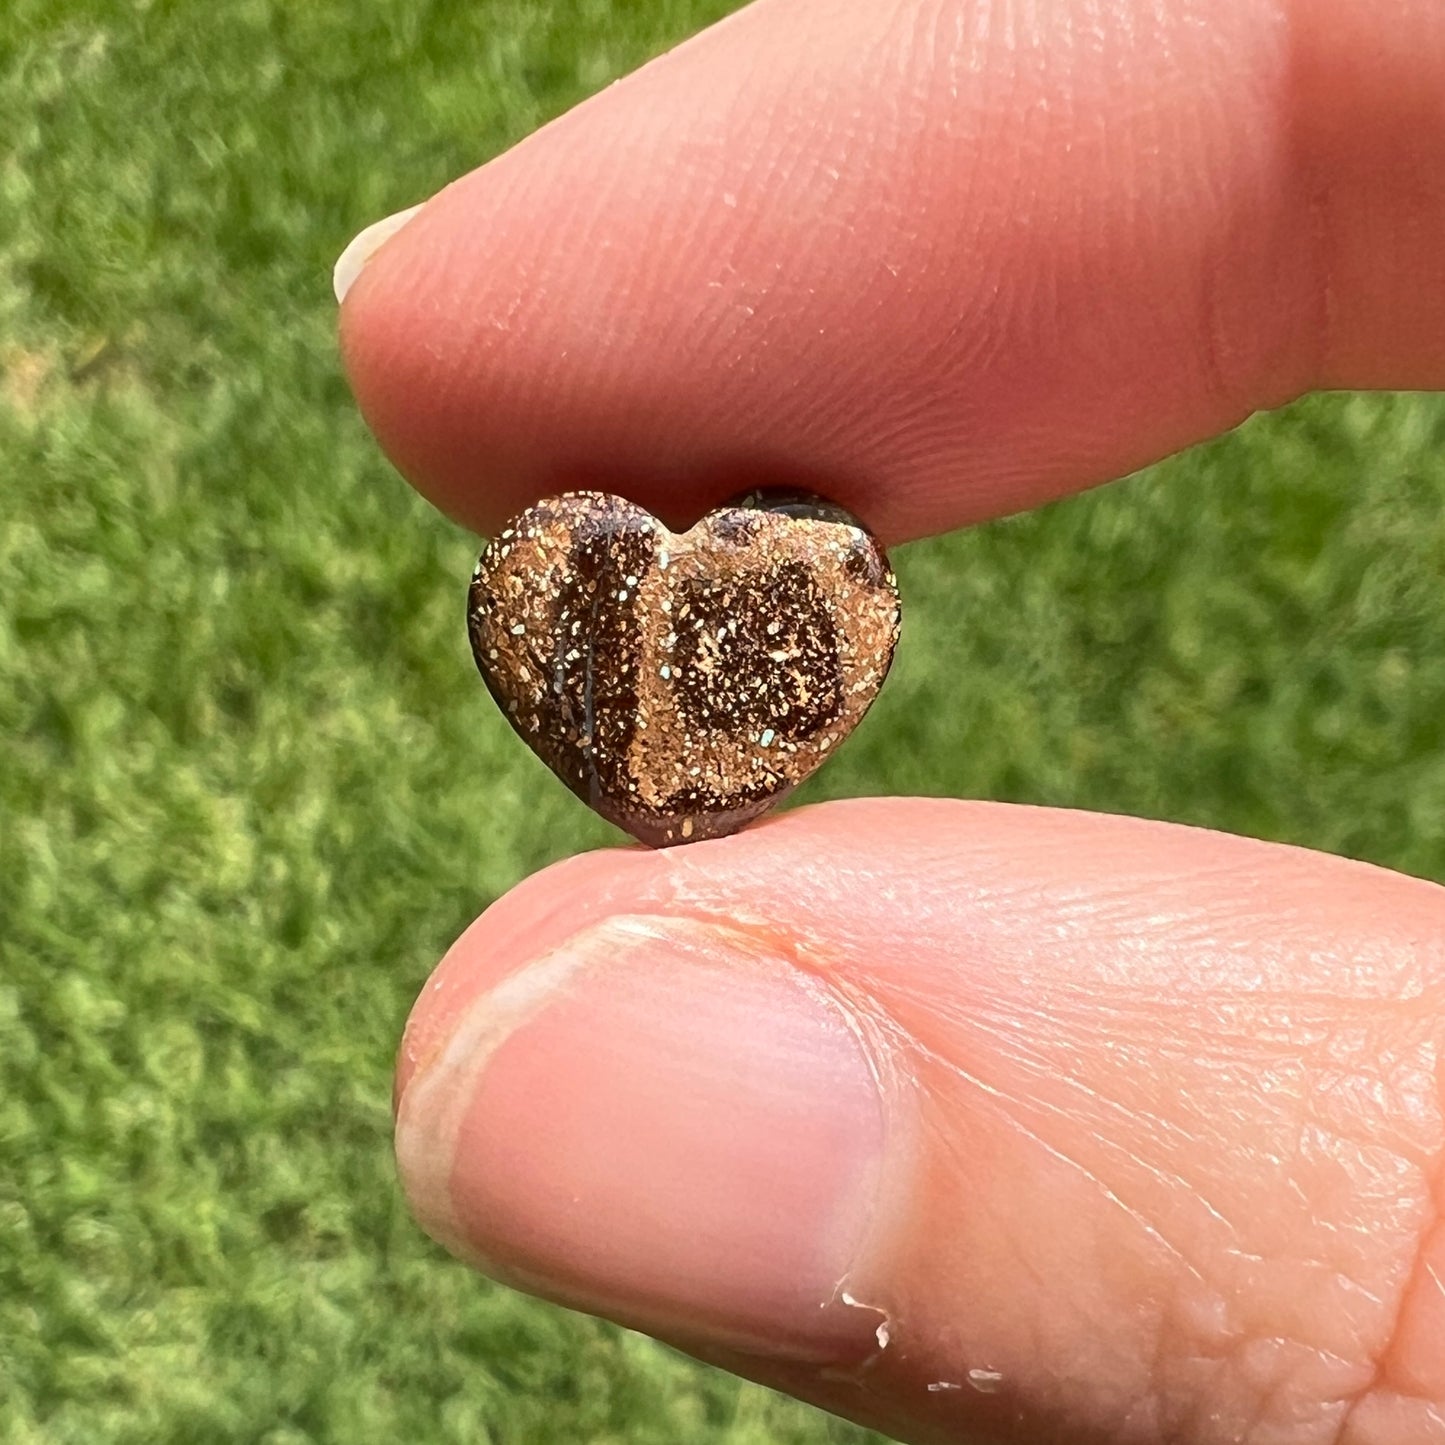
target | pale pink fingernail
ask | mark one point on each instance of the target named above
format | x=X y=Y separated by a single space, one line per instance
x=663 y=1122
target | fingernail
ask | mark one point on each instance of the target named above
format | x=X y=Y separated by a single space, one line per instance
x=363 y=248
x=663 y=1122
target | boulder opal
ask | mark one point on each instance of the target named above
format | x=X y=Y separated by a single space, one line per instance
x=683 y=683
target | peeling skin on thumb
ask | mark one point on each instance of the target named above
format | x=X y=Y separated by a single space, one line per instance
x=883 y=1333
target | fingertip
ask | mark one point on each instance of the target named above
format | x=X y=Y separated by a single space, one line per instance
x=690 y=284
x=1017 y=281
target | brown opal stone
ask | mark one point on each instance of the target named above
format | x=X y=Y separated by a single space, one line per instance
x=682 y=684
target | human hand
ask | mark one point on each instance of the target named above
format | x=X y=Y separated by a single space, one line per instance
x=966 y=1121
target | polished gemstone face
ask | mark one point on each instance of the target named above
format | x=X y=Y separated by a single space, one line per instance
x=682 y=683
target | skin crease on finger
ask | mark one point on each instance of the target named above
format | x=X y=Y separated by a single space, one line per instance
x=940 y=259
x=1166 y=1114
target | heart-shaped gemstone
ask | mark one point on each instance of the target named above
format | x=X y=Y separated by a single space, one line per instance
x=682 y=683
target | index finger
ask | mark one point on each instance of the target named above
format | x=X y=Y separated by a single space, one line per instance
x=940 y=260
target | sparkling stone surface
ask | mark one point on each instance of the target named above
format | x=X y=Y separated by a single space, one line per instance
x=681 y=684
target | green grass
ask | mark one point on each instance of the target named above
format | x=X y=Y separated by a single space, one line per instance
x=250 y=786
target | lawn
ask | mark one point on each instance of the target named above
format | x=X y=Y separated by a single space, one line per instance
x=250 y=786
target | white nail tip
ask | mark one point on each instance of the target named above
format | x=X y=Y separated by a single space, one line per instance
x=364 y=247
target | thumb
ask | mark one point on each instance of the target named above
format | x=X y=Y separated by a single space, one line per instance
x=959 y=1117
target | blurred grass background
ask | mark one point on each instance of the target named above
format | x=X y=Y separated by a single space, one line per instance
x=250 y=786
